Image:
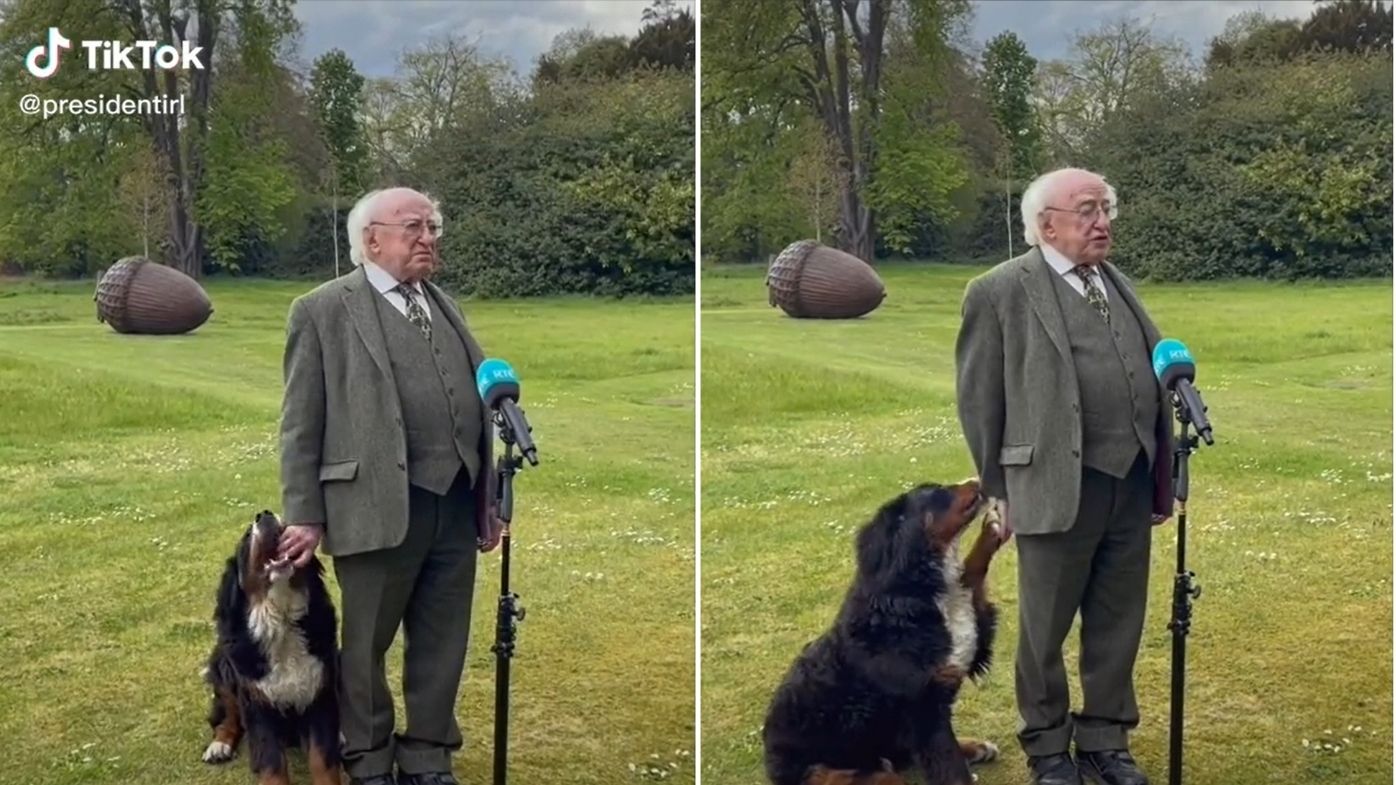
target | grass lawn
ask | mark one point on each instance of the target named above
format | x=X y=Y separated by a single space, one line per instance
x=129 y=466
x=808 y=426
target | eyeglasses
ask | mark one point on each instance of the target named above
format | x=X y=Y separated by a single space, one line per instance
x=1089 y=212
x=411 y=230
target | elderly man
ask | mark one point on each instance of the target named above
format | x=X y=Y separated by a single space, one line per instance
x=385 y=455
x=1067 y=423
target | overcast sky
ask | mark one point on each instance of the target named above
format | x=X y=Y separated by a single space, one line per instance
x=1048 y=26
x=374 y=32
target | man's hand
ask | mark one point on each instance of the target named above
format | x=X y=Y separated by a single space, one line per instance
x=1156 y=519
x=1005 y=523
x=488 y=544
x=298 y=542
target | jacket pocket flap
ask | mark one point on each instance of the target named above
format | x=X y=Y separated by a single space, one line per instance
x=1015 y=455
x=341 y=470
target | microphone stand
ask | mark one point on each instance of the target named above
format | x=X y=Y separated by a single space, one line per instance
x=510 y=612
x=1185 y=590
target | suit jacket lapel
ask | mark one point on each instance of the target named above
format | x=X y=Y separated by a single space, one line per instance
x=1151 y=333
x=1036 y=276
x=358 y=299
x=443 y=306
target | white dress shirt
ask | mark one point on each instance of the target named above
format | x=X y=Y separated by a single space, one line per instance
x=385 y=283
x=1065 y=268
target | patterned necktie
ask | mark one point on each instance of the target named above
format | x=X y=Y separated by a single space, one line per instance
x=415 y=312
x=1094 y=295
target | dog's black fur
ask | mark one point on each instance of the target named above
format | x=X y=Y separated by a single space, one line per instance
x=258 y=617
x=873 y=695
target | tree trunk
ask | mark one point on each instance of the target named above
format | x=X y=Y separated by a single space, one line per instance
x=334 y=218
x=855 y=144
x=181 y=149
x=1008 y=212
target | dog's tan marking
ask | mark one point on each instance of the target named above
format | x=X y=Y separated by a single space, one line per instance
x=976 y=751
x=229 y=731
x=976 y=567
x=321 y=773
x=949 y=675
x=944 y=528
x=274 y=777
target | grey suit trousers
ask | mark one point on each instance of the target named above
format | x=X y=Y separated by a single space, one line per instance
x=1099 y=567
x=426 y=585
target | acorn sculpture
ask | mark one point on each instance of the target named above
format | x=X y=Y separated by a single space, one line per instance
x=136 y=295
x=811 y=281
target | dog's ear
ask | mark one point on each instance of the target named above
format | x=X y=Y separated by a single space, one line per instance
x=878 y=540
x=230 y=588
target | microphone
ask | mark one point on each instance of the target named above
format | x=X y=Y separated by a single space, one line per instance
x=499 y=391
x=1174 y=367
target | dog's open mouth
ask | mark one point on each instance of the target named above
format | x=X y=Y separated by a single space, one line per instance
x=279 y=569
x=266 y=543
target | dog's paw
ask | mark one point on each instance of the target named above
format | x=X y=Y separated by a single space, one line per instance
x=948 y=675
x=219 y=752
x=976 y=752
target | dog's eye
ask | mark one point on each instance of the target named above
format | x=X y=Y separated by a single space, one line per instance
x=934 y=499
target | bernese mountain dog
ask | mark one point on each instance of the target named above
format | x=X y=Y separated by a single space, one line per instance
x=273 y=667
x=872 y=696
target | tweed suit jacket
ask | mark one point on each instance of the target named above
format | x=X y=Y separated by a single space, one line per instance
x=1019 y=400
x=343 y=447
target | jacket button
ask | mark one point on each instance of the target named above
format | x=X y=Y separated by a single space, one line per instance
x=402 y=465
x=1076 y=453
x=1076 y=407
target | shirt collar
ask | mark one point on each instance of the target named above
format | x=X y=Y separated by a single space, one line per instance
x=383 y=280
x=1060 y=263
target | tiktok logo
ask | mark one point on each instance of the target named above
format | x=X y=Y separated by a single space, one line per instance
x=114 y=55
x=49 y=53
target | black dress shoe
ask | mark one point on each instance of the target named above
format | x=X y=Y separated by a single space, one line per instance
x=1054 y=770
x=377 y=779
x=1110 y=767
x=430 y=778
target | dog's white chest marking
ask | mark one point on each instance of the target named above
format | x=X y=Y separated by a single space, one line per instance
x=295 y=675
x=957 y=607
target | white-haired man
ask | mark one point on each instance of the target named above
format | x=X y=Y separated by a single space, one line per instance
x=1067 y=423
x=385 y=454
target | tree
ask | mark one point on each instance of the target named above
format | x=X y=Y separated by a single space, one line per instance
x=142 y=192
x=1251 y=37
x=1009 y=73
x=1108 y=69
x=813 y=179
x=182 y=143
x=661 y=11
x=1348 y=26
x=827 y=58
x=336 y=94
x=246 y=176
x=666 y=40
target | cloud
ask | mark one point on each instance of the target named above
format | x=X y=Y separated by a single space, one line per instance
x=1049 y=26
x=375 y=32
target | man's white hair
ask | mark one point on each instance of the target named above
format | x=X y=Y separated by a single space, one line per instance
x=1036 y=195
x=362 y=213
